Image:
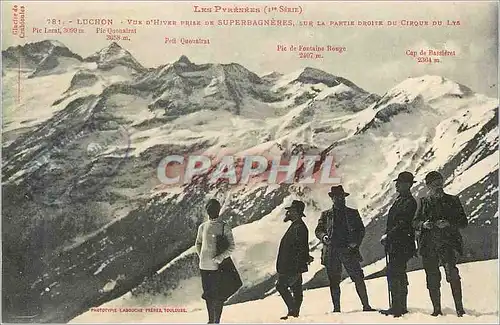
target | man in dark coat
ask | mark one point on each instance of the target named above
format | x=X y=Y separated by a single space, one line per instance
x=399 y=242
x=293 y=258
x=341 y=231
x=439 y=219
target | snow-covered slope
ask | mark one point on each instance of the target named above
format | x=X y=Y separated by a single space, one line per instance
x=480 y=291
x=81 y=187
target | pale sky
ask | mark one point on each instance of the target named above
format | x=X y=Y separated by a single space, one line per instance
x=375 y=58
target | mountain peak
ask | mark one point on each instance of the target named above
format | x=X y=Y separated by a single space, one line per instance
x=429 y=87
x=112 y=55
x=34 y=53
x=54 y=43
x=114 y=45
x=113 y=49
x=184 y=59
x=42 y=46
x=314 y=76
x=272 y=74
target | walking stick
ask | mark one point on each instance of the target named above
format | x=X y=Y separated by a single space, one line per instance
x=387 y=276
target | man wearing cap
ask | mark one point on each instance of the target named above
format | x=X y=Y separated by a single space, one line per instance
x=293 y=258
x=341 y=231
x=439 y=218
x=399 y=242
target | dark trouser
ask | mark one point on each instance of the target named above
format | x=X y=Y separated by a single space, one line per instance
x=398 y=282
x=293 y=299
x=352 y=265
x=447 y=257
x=210 y=281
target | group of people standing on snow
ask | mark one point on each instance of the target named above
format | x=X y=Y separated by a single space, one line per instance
x=435 y=222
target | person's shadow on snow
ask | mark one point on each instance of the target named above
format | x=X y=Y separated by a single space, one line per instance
x=447 y=311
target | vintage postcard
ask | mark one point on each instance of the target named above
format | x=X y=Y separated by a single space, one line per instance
x=250 y=162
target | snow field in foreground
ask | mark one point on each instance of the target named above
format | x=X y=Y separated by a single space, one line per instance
x=480 y=290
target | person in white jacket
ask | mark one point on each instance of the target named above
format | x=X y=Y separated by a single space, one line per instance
x=206 y=247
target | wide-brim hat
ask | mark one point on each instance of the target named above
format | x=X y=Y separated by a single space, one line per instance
x=405 y=177
x=337 y=190
x=299 y=206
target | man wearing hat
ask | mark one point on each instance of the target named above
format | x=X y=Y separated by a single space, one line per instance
x=399 y=242
x=341 y=231
x=439 y=218
x=293 y=258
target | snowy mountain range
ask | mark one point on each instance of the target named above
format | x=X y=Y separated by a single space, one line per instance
x=86 y=219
